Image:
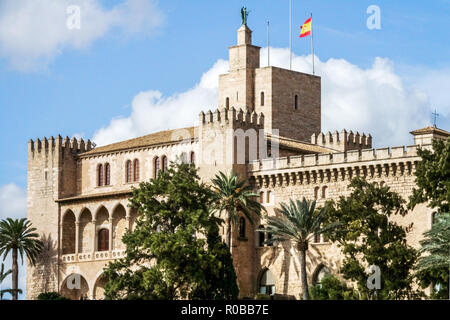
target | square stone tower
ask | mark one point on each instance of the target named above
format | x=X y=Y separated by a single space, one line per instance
x=289 y=100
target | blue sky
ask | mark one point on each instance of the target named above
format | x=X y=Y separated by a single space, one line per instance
x=124 y=60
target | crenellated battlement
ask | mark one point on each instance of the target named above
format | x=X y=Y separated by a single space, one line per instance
x=342 y=141
x=235 y=118
x=53 y=144
x=326 y=159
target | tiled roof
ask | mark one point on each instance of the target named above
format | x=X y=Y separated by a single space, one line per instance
x=430 y=129
x=157 y=138
x=302 y=146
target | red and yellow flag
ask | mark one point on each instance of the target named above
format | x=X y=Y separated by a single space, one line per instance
x=306 y=28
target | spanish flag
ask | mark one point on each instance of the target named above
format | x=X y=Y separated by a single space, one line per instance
x=306 y=28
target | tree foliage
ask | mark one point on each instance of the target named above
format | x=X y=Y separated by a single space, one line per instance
x=433 y=177
x=18 y=237
x=370 y=236
x=233 y=196
x=331 y=288
x=299 y=221
x=175 y=251
x=433 y=267
x=51 y=296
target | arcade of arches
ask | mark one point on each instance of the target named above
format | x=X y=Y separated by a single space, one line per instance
x=92 y=235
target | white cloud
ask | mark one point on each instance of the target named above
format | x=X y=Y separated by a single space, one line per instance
x=33 y=32
x=373 y=100
x=15 y=201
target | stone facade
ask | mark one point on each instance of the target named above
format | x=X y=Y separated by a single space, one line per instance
x=267 y=128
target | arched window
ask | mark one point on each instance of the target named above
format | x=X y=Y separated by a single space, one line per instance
x=100 y=175
x=242 y=227
x=164 y=163
x=128 y=171
x=317 y=238
x=269 y=197
x=267 y=283
x=320 y=273
x=324 y=192
x=261 y=197
x=316 y=193
x=227 y=102
x=262 y=99
x=261 y=237
x=136 y=170
x=107 y=174
x=296 y=102
x=157 y=167
x=434 y=217
x=184 y=157
x=193 y=157
x=103 y=240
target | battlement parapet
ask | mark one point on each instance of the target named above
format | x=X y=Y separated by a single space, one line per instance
x=53 y=144
x=342 y=141
x=233 y=117
x=324 y=159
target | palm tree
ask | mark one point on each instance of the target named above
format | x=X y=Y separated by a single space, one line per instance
x=3 y=275
x=299 y=222
x=234 y=195
x=17 y=236
x=437 y=244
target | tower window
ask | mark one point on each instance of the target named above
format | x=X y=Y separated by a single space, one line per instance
x=262 y=99
x=107 y=174
x=324 y=192
x=192 y=157
x=136 y=170
x=157 y=167
x=164 y=163
x=100 y=175
x=296 y=102
x=128 y=171
x=227 y=102
x=261 y=237
x=242 y=227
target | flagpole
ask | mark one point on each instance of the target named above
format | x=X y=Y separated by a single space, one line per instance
x=312 y=43
x=290 y=34
x=268 y=44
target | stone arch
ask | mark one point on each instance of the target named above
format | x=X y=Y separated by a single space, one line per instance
x=101 y=214
x=119 y=226
x=75 y=287
x=266 y=282
x=85 y=231
x=318 y=274
x=98 y=289
x=68 y=232
x=134 y=214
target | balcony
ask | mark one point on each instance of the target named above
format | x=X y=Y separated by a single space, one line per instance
x=93 y=256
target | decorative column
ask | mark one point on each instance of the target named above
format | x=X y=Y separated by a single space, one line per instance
x=77 y=238
x=110 y=235
x=94 y=238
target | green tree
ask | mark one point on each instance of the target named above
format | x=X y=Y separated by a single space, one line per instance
x=433 y=177
x=434 y=267
x=370 y=236
x=51 y=296
x=18 y=237
x=175 y=251
x=298 y=222
x=234 y=195
x=331 y=288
